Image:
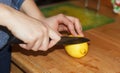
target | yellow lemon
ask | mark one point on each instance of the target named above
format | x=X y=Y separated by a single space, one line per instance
x=77 y=50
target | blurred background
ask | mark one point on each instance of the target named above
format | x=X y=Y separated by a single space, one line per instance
x=45 y=2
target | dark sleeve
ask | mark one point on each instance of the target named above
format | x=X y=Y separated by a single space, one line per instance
x=17 y=4
x=3 y=39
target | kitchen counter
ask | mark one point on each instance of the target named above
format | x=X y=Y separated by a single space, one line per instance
x=103 y=55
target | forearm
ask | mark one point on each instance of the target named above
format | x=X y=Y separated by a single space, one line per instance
x=4 y=14
x=29 y=7
x=8 y=15
x=11 y=18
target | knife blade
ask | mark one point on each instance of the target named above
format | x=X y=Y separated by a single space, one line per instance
x=65 y=40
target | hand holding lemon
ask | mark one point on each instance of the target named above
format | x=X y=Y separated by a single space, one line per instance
x=77 y=50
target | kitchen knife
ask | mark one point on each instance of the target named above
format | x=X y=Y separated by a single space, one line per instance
x=65 y=40
x=10 y=39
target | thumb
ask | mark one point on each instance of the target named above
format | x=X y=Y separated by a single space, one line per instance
x=54 y=38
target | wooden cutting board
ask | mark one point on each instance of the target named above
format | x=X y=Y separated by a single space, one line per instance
x=103 y=55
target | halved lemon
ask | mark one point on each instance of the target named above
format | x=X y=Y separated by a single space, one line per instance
x=77 y=50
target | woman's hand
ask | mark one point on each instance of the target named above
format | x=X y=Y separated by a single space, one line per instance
x=34 y=33
x=65 y=23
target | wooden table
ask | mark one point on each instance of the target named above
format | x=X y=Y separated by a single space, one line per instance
x=103 y=55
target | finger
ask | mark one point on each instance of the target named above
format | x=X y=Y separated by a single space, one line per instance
x=45 y=42
x=79 y=28
x=77 y=25
x=27 y=46
x=63 y=19
x=54 y=38
x=36 y=45
x=31 y=44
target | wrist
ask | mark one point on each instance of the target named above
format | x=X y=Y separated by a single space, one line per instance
x=4 y=15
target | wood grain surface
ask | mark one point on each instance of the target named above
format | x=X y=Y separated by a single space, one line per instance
x=103 y=55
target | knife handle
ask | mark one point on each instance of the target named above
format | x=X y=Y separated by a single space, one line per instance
x=14 y=40
x=11 y=38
